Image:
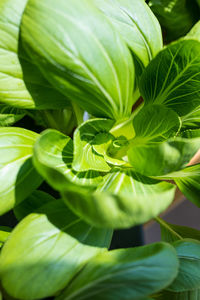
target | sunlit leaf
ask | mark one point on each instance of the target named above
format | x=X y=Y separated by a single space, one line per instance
x=46 y=250
x=18 y=177
x=85 y=136
x=125 y=274
x=53 y=157
x=155 y=123
x=10 y=115
x=81 y=54
x=163 y=158
x=123 y=199
x=4 y=234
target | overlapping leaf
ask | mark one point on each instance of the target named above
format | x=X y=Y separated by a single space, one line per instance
x=123 y=199
x=21 y=87
x=173 y=77
x=177 y=17
x=18 y=177
x=89 y=62
x=46 y=250
x=137 y=25
x=125 y=274
x=53 y=157
x=9 y=115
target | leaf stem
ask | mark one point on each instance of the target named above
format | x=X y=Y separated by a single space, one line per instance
x=78 y=113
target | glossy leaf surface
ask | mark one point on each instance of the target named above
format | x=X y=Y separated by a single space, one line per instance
x=125 y=274
x=89 y=62
x=173 y=77
x=46 y=250
x=18 y=177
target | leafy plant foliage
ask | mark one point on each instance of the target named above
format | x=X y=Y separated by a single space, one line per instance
x=121 y=117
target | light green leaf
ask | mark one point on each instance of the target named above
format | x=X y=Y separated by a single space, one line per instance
x=123 y=199
x=18 y=177
x=25 y=88
x=155 y=123
x=81 y=54
x=163 y=158
x=188 y=278
x=194 y=32
x=32 y=204
x=172 y=78
x=125 y=274
x=9 y=115
x=137 y=25
x=85 y=136
x=171 y=232
x=46 y=250
x=176 y=16
x=192 y=119
x=53 y=156
x=4 y=234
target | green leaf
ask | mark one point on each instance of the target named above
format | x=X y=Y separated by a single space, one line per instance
x=32 y=204
x=192 y=120
x=125 y=274
x=123 y=199
x=137 y=25
x=20 y=86
x=171 y=232
x=188 y=278
x=172 y=78
x=4 y=234
x=18 y=177
x=46 y=250
x=9 y=115
x=163 y=158
x=155 y=123
x=85 y=136
x=189 y=295
x=194 y=32
x=176 y=16
x=81 y=54
x=53 y=157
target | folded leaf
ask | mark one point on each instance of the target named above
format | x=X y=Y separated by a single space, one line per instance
x=9 y=115
x=53 y=157
x=18 y=177
x=86 y=135
x=123 y=199
x=177 y=17
x=163 y=158
x=31 y=204
x=155 y=123
x=125 y=274
x=137 y=25
x=21 y=86
x=46 y=250
x=173 y=76
x=81 y=54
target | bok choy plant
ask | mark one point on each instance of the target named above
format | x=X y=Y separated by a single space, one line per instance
x=121 y=115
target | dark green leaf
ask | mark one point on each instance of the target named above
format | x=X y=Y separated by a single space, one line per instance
x=176 y=16
x=125 y=274
x=10 y=115
x=32 y=204
x=172 y=78
x=46 y=250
